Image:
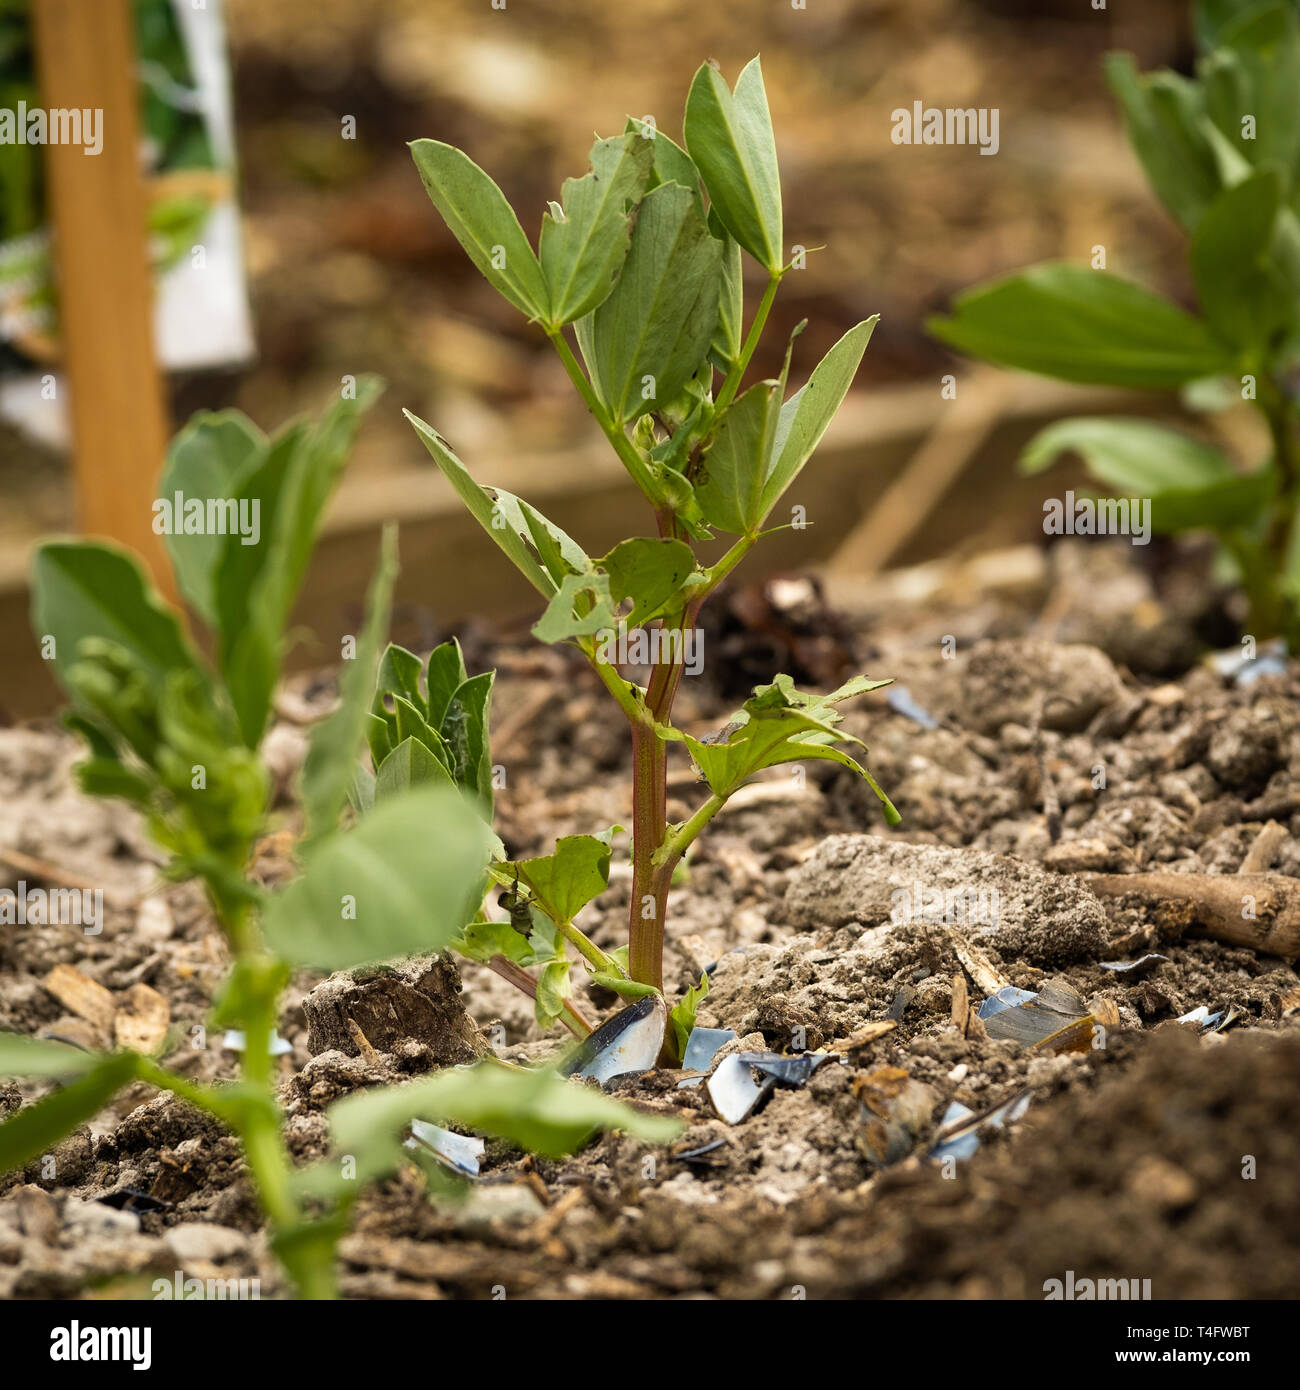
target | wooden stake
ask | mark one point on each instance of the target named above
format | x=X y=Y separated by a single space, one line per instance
x=86 y=60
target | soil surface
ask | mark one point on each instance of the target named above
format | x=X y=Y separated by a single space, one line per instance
x=1089 y=741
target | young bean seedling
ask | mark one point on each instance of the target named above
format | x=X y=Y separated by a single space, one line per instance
x=1222 y=151
x=639 y=266
x=179 y=738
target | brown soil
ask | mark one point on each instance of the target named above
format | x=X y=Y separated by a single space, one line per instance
x=1161 y=1153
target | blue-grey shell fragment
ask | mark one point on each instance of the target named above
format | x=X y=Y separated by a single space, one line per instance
x=735 y=1090
x=459 y=1152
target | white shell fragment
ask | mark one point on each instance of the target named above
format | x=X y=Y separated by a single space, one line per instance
x=958 y=1135
x=459 y=1152
x=733 y=1091
x=628 y=1042
x=1211 y=1023
x=234 y=1041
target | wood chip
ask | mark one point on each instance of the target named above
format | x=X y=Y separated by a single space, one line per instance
x=960 y=1000
x=85 y=997
x=987 y=977
x=142 y=1019
x=861 y=1036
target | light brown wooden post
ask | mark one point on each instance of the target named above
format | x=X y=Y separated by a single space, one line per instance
x=86 y=59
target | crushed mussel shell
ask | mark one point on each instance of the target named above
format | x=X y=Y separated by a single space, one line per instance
x=234 y=1042
x=901 y=702
x=735 y=1091
x=1008 y=997
x=1242 y=670
x=1053 y=1020
x=1125 y=967
x=459 y=1152
x=959 y=1129
x=628 y=1042
x=702 y=1046
x=700 y=1153
x=1211 y=1023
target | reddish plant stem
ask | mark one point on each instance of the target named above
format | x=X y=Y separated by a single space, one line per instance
x=521 y=979
x=648 y=908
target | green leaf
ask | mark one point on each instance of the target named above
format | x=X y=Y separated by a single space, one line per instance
x=520 y=531
x=807 y=414
x=405 y=879
x=1163 y=115
x=729 y=490
x=409 y=765
x=465 y=729
x=671 y=163
x=729 y=336
x=1243 y=294
x=336 y=741
x=1236 y=501
x=619 y=984
x=209 y=459
x=582 y=254
x=479 y=217
x=564 y=883
x=1082 y=325
x=481 y=941
x=445 y=674
x=780 y=724
x=652 y=333
x=399 y=674
x=21 y=1055
x=553 y=991
x=1191 y=485
x=1214 y=16
x=536 y=1110
x=730 y=139
x=681 y=1017
x=84 y=589
x=650 y=572
x=1128 y=455
x=1255 y=73
x=35 y=1129
x=256 y=585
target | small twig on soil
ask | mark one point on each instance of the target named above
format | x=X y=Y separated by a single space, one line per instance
x=44 y=870
x=960 y=1001
x=1263 y=852
x=1221 y=902
x=367 y=1052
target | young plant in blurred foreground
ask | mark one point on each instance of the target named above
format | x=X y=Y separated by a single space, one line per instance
x=641 y=262
x=179 y=738
x=1222 y=151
